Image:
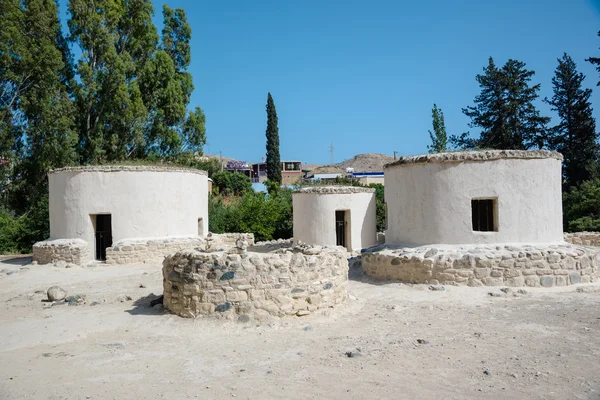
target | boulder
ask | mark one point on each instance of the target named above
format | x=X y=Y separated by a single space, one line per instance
x=56 y=293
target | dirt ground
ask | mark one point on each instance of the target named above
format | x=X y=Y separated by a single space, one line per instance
x=405 y=342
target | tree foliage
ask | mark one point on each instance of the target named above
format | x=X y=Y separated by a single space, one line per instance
x=504 y=110
x=231 y=183
x=439 y=139
x=267 y=216
x=126 y=96
x=581 y=207
x=575 y=135
x=595 y=61
x=273 y=158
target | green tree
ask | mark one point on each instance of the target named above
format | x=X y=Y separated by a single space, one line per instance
x=268 y=217
x=273 y=159
x=231 y=183
x=504 y=110
x=581 y=207
x=133 y=91
x=439 y=139
x=596 y=62
x=36 y=111
x=575 y=135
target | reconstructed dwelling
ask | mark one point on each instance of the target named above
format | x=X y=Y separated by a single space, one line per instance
x=475 y=197
x=478 y=218
x=335 y=215
x=123 y=214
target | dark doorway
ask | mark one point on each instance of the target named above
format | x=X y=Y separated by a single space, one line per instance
x=340 y=228
x=103 y=235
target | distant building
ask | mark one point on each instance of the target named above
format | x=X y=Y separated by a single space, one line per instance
x=291 y=172
x=241 y=167
x=368 y=177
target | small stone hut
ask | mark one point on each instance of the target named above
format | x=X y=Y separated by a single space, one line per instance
x=501 y=196
x=123 y=214
x=490 y=218
x=335 y=215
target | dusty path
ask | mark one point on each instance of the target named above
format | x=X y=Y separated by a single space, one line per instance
x=544 y=344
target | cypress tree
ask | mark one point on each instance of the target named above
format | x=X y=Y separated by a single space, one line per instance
x=504 y=110
x=575 y=135
x=439 y=138
x=273 y=159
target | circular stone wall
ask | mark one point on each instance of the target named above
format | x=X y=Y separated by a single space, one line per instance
x=291 y=282
x=315 y=215
x=144 y=202
x=430 y=198
x=485 y=265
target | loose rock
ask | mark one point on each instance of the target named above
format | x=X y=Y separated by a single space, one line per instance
x=56 y=293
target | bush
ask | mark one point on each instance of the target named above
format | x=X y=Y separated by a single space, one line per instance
x=581 y=207
x=18 y=234
x=268 y=217
x=231 y=183
x=380 y=210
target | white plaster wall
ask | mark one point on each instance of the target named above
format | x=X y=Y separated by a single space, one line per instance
x=431 y=203
x=314 y=218
x=143 y=204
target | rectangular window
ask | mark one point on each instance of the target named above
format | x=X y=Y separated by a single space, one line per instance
x=483 y=212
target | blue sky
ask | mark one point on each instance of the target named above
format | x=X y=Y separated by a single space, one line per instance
x=363 y=75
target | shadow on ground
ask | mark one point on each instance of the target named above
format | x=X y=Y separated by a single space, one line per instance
x=16 y=260
x=141 y=306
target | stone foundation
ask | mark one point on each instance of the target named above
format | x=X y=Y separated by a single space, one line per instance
x=287 y=281
x=484 y=265
x=130 y=251
x=73 y=251
x=220 y=241
x=584 y=238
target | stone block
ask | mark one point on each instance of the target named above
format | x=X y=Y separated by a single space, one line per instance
x=516 y=281
x=532 y=281
x=482 y=272
x=574 y=278
x=561 y=280
x=547 y=281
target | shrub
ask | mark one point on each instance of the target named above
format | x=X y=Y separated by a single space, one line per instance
x=268 y=217
x=581 y=207
x=231 y=183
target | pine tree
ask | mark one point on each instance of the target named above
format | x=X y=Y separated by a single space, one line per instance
x=504 y=110
x=439 y=138
x=575 y=136
x=273 y=159
x=596 y=62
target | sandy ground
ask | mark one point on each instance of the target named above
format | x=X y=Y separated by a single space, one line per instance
x=544 y=344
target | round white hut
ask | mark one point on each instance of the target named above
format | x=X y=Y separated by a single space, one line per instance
x=123 y=213
x=335 y=215
x=484 y=197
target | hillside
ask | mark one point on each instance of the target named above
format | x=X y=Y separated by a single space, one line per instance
x=370 y=162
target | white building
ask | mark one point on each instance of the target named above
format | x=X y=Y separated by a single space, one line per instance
x=335 y=215
x=123 y=213
x=475 y=198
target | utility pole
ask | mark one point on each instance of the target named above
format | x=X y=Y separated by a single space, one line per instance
x=221 y=159
x=331 y=159
x=395 y=152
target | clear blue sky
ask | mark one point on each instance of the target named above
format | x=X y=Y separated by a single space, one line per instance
x=364 y=75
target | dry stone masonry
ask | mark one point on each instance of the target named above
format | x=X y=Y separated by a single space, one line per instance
x=149 y=250
x=485 y=265
x=462 y=156
x=295 y=280
x=73 y=251
x=584 y=238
